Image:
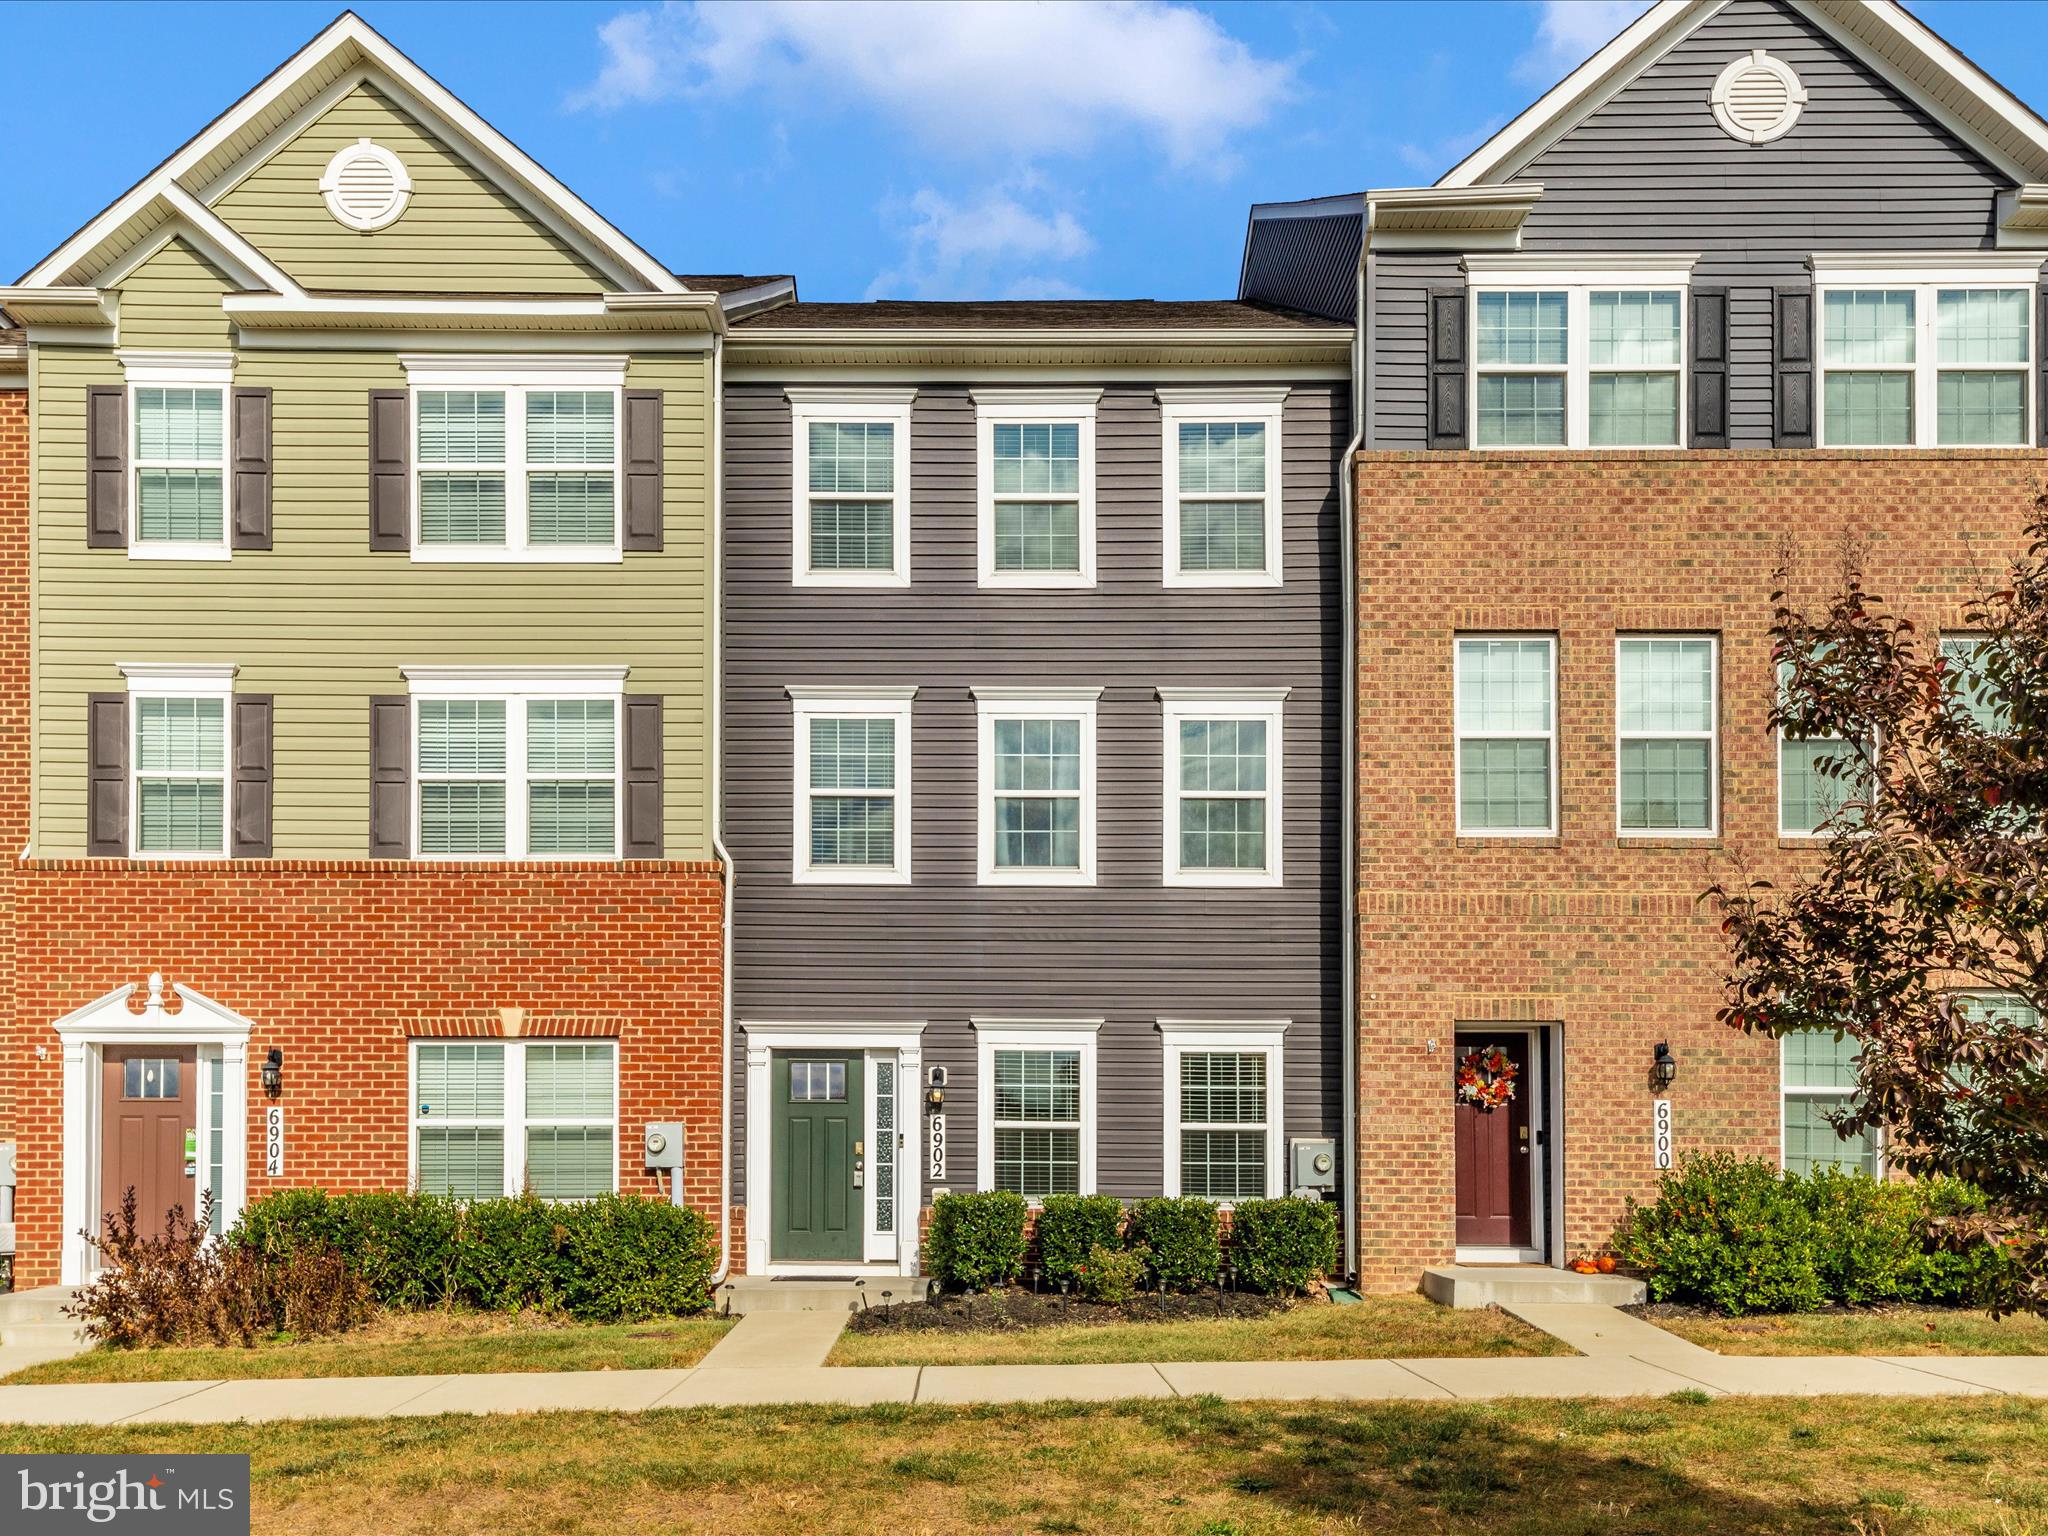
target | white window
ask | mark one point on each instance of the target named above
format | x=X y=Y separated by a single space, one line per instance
x=852 y=789
x=1818 y=1078
x=1225 y=1131
x=516 y=463
x=516 y=767
x=1925 y=358
x=179 y=483
x=1035 y=1120
x=500 y=1117
x=1035 y=811
x=1817 y=777
x=1222 y=457
x=1506 y=708
x=1666 y=712
x=851 y=487
x=1223 y=761
x=181 y=724
x=1035 y=487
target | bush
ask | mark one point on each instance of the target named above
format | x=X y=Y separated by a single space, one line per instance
x=1184 y=1235
x=1866 y=1243
x=1070 y=1227
x=976 y=1240
x=1280 y=1246
x=1970 y=1274
x=629 y=1258
x=1111 y=1275
x=1731 y=1233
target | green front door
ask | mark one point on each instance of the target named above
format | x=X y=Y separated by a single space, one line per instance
x=816 y=1127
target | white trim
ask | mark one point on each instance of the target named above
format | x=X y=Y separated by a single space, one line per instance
x=1240 y=1037
x=1459 y=735
x=1895 y=269
x=202 y=372
x=485 y=370
x=1033 y=407
x=330 y=185
x=512 y=1119
x=809 y=705
x=1261 y=406
x=209 y=681
x=192 y=221
x=887 y=407
x=459 y=681
x=1545 y=1214
x=1755 y=61
x=993 y=704
x=1578 y=282
x=992 y=1035
x=1711 y=736
x=146 y=365
x=1265 y=705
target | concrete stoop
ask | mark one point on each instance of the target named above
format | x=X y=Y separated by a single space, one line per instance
x=759 y=1293
x=35 y=1319
x=1512 y=1285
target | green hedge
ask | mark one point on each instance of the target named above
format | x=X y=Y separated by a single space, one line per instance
x=1184 y=1235
x=976 y=1241
x=1070 y=1228
x=1280 y=1246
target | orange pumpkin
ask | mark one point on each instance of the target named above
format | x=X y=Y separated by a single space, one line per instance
x=1605 y=1263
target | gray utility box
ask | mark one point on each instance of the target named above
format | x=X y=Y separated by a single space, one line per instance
x=663 y=1143
x=1313 y=1164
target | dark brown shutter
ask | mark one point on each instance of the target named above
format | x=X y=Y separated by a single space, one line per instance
x=1708 y=385
x=390 y=776
x=643 y=445
x=249 y=836
x=2041 y=397
x=106 y=467
x=1447 y=406
x=643 y=776
x=1792 y=348
x=106 y=794
x=251 y=460
x=390 y=469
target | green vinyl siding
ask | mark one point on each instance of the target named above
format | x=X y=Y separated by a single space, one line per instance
x=173 y=300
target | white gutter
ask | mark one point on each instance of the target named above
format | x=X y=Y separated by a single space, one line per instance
x=731 y=874
x=1347 y=533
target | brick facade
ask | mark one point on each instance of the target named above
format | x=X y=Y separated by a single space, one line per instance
x=1596 y=935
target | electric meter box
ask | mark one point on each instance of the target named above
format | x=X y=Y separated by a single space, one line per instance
x=663 y=1142
x=1314 y=1164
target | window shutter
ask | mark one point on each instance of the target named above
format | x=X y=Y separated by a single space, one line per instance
x=643 y=777
x=106 y=466
x=1708 y=385
x=390 y=469
x=250 y=829
x=1792 y=347
x=1447 y=408
x=251 y=459
x=106 y=750
x=2041 y=396
x=643 y=448
x=390 y=776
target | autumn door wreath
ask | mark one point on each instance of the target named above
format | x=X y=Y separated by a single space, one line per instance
x=1486 y=1077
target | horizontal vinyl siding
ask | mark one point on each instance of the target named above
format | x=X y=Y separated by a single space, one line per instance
x=1400 y=344
x=173 y=300
x=1128 y=950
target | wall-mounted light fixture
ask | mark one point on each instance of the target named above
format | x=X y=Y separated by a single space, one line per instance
x=273 y=1072
x=1664 y=1066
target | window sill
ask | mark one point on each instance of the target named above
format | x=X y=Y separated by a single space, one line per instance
x=1035 y=581
x=1509 y=840
x=849 y=581
x=1229 y=581
x=1706 y=840
x=484 y=555
x=850 y=877
x=140 y=551
x=1066 y=878
x=1210 y=880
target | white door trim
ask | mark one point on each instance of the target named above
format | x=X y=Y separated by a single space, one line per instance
x=1545 y=1197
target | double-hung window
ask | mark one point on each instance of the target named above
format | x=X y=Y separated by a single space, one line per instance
x=1036 y=1130
x=1970 y=689
x=495 y=1118
x=1666 y=709
x=852 y=789
x=516 y=768
x=1818 y=776
x=178 y=466
x=1506 y=709
x=1224 y=1125
x=851 y=510
x=1036 y=817
x=1818 y=1078
x=181 y=722
x=1223 y=511
x=1036 y=487
x=1223 y=779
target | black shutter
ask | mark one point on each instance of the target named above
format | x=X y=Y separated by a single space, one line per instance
x=643 y=448
x=1792 y=348
x=390 y=469
x=1447 y=408
x=2041 y=395
x=250 y=826
x=106 y=467
x=1708 y=385
x=390 y=776
x=106 y=792
x=251 y=459
x=643 y=777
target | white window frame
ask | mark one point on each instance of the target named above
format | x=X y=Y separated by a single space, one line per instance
x=1787 y=1092
x=815 y=406
x=180 y=680
x=515 y=378
x=1265 y=705
x=1032 y=407
x=514 y=1120
x=1267 y=1038
x=1794 y=834
x=1711 y=736
x=180 y=370
x=517 y=689
x=992 y=1035
x=1264 y=407
x=1926 y=277
x=993 y=704
x=1459 y=736
x=810 y=704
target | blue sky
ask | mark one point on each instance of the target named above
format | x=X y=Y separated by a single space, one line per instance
x=904 y=150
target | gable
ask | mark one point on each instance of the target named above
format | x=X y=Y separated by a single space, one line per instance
x=172 y=300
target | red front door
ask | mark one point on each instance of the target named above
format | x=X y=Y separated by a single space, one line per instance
x=149 y=1105
x=1496 y=1153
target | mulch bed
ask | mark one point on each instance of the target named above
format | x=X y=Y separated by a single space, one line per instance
x=1019 y=1311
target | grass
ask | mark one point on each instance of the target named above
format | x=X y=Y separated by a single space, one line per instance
x=410 y=1344
x=1378 y=1327
x=1893 y=1331
x=1184 y=1467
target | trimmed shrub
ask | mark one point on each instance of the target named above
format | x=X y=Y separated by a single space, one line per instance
x=1184 y=1235
x=1731 y=1233
x=976 y=1241
x=1111 y=1275
x=512 y=1254
x=1973 y=1274
x=1280 y=1246
x=1070 y=1227
x=1867 y=1246
x=403 y=1245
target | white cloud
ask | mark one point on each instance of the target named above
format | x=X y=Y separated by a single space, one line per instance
x=1571 y=32
x=953 y=249
x=969 y=77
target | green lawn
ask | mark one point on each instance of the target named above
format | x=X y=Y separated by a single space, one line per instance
x=1893 y=1331
x=1185 y=1467
x=1378 y=1327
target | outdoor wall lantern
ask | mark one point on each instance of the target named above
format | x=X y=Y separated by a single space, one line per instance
x=273 y=1072
x=1664 y=1068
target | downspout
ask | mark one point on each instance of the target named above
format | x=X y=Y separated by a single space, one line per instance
x=730 y=875
x=1347 y=570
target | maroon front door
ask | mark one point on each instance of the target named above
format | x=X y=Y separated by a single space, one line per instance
x=1496 y=1153
x=149 y=1104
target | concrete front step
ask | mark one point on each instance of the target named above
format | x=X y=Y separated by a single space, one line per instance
x=1506 y=1285
x=42 y=1335
x=759 y=1293
x=44 y=1304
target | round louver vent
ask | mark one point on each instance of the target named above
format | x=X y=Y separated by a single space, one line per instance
x=365 y=185
x=1757 y=98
